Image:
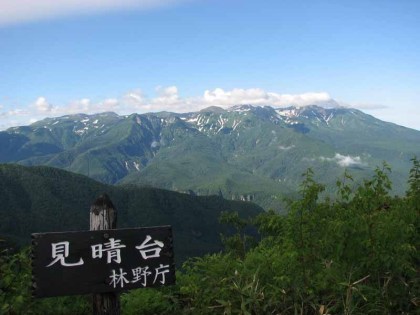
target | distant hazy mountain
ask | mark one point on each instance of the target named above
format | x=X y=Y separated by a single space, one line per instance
x=44 y=199
x=244 y=152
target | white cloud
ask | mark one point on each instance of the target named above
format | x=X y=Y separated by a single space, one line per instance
x=17 y=112
x=169 y=99
x=302 y=99
x=78 y=106
x=347 y=160
x=110 y=104
x=42 y=105
x=344 y=160
x=166 y=96
x=135 y=101
x=13 y=117
x=18 y=11
x=134 y=98
x=235 y=96
x=257 y=96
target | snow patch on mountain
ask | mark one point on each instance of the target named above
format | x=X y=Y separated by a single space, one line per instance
x=191 y=120
x=327 y=119
x=236 y=124
x=82 y=131
x=286 y=148
x=287 y=112
x=313 y=112
x=241 y=108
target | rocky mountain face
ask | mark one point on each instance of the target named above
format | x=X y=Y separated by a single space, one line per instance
x=245 y=152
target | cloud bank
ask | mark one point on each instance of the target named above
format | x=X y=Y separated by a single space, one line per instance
x=258 y=96
x=21 y=11
x=168 y=98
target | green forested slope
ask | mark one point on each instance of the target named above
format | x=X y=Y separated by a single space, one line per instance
x=354 y=252
x=43 y=199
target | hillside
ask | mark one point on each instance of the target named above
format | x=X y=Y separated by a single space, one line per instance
x=244 y=152
x=44 y=199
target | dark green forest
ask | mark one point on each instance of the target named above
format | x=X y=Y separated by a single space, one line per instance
x=354 y=252
x=44 y=199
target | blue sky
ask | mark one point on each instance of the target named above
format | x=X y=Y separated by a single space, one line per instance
x=69 y=56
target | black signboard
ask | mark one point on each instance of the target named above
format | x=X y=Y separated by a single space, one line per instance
x=101 y=261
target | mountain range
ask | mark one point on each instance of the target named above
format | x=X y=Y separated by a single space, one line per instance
x=254 y=153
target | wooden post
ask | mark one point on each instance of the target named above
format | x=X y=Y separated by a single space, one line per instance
x=103 y=216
